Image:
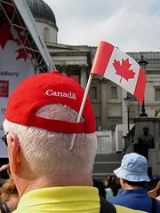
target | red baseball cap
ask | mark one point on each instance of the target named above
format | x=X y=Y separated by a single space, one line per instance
x=49 y=88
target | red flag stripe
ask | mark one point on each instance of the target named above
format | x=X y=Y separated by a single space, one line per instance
x=140 y=86
x=102 y=57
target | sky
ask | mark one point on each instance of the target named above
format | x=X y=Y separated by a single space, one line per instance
x=131 y=25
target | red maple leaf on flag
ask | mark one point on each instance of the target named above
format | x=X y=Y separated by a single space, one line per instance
x=22 y=54
x=5 y=34
x=123 y=69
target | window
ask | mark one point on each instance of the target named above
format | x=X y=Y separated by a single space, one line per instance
x=93 y=93
x=114 y=94
x=75 y=77
x=157 y=94
x=46 y=34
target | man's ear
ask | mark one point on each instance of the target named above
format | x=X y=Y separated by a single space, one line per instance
x=13 y=152
x=122 y=182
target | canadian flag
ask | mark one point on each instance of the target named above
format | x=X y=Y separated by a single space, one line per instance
x=120 y=68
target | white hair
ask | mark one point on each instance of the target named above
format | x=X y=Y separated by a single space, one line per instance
x=48 y=152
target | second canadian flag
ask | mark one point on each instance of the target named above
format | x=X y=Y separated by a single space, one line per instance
x=120 y=68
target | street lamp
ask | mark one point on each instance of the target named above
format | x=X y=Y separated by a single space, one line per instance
x=127 y=103
x=143 y=63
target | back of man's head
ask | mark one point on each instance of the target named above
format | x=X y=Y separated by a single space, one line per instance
x=42 y=113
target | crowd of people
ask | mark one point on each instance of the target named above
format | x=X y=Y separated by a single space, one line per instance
x=125 y=187
x=51 y=155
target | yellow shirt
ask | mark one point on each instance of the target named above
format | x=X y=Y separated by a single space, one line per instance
x=68 y=199
x=121 y=209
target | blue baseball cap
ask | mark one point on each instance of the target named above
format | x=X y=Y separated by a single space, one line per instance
x=134 y=167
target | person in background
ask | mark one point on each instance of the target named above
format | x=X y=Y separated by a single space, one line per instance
x=112 y=185
x=9 y=196
x=4 y=173
x=133 y=174
x=101 y=187
x=155 y=193
x=108 y=180
x=52 y=172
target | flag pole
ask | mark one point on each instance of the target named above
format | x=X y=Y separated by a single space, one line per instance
x=81 y=108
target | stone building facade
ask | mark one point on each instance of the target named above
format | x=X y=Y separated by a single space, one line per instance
x=76 y=61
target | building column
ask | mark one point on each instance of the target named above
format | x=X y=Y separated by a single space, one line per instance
x=124 y=113
x=83 y=76
x=104 y=103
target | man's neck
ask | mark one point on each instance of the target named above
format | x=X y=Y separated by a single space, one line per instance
x=58 y=180
x=129 y=187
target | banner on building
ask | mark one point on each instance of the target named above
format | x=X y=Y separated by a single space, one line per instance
x=22 y=52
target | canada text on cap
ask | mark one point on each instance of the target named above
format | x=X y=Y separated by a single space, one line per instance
x=44 y=89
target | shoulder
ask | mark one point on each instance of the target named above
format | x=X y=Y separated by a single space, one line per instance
x=119 y=198
x=122 y=209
